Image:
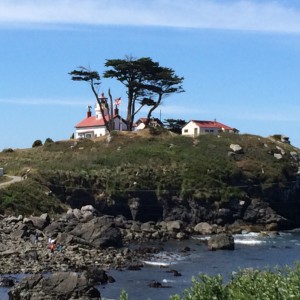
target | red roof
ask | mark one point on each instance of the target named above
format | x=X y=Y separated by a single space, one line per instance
x=211 y=124
x=92 y=122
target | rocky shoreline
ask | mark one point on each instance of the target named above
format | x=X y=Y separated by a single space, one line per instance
x=88 y=243
x=88 y=239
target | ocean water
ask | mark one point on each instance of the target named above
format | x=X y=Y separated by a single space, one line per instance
x=251 y=251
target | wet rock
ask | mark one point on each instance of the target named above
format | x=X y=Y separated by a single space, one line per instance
x=7 y=281
x=134 y=267
x=98 y=276
x=157 y=284
x=222 y=241
x=174 y=272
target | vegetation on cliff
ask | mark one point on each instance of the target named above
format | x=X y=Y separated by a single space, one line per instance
x=156 y=162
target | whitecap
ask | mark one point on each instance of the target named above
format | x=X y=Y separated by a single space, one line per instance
x=248 y=242
x=168 y=280
x=157 y=263
x=201 y=237
x=248 y=234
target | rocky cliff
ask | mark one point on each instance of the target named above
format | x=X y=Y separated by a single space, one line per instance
x=224 y=180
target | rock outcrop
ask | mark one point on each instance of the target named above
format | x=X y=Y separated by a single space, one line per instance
x=223 y=241
x=62 y=285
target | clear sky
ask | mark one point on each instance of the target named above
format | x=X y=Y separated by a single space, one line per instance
x=240 y=60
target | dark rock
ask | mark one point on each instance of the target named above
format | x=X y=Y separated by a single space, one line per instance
x=222 y=241
x=110 y=279
x=175 y=272
x=7 y=281
x=39 y=222
x=156 y=284
x=61 y=285
x=97 y=276
x=134 y=267
x=99 y=233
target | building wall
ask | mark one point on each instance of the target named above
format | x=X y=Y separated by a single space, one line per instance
x=192 y=129
x=120 y=125
x=92 y=132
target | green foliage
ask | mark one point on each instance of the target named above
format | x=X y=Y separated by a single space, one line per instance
x=84 y=74
x=7 y=150
x=146 y=81
x=278 y=284
x=28 y=197
x=188 y=168
x=48 y=141
x=123 y=295
x=174 y=125
x=37 y=143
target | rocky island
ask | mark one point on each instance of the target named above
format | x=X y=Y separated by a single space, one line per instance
x=104 y=199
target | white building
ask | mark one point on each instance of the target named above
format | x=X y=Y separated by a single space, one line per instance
x=195 y=127
x=94 y=126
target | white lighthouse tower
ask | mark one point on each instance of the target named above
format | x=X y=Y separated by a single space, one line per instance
x=103 y=101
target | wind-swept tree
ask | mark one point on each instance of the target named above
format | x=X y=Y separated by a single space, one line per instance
x=174 y=125
x=160 y=84
x=93 y=79
x=146 y=82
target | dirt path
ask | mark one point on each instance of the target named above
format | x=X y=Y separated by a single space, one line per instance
x=13 y=179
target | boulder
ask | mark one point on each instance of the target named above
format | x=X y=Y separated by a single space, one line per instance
x=278 y=155
x=222 y=241
x=39 y=222
x=236 y=148
x=204 y=228
x=60 y=285
x=294 y=155
x=7 y=281
x=99 y=233
x=89 y=208
x=174 y=225
x=22 y=231
x=98 y=276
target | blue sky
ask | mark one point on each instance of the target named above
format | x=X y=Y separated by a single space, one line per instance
x=240 y=61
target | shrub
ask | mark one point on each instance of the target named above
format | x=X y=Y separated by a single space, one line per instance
x=37 y=143
x=7 y=150
x=246 y=284
x=48 y=141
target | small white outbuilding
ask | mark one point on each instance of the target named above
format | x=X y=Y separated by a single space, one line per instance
x=196 y=127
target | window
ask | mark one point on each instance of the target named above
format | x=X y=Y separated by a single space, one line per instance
x=186 y=130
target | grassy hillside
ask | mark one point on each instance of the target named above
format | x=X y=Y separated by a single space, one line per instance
x=146 y=161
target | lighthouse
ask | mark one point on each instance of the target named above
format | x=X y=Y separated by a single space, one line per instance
x=103 y=103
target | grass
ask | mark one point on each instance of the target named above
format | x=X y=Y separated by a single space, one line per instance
x=4 y=179
x=198 y=168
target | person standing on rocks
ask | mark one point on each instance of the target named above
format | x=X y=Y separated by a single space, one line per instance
x=51 y=248
x=60 y=248
x=36 y=238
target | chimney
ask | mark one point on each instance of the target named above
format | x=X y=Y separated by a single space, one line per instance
x=116 y=111
x=89 y=113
